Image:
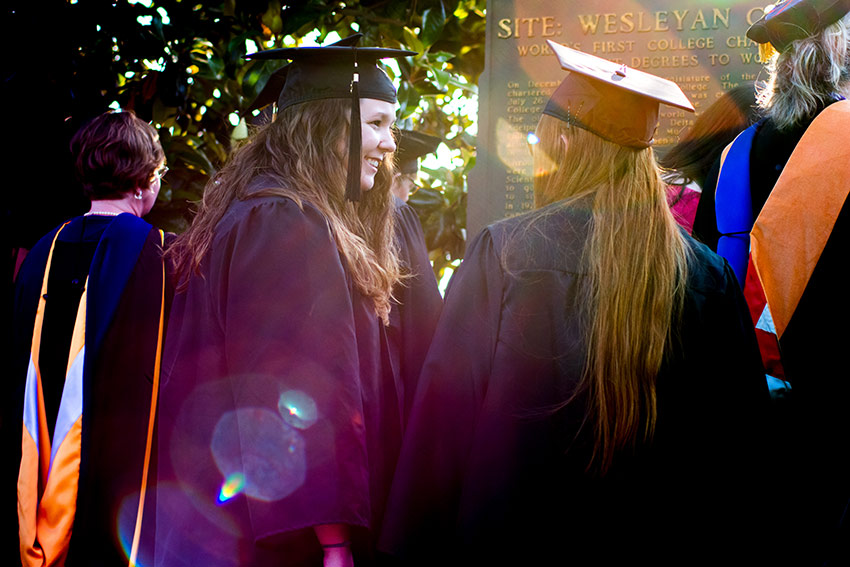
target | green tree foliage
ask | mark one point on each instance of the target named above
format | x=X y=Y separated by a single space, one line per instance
x=178 y=63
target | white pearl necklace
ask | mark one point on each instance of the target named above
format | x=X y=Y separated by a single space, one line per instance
x=101 y=213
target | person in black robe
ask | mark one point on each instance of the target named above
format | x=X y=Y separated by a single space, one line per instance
x=502 y=462
x=804 y=44
x=690 y=163
x=113 y=259
x=416 y=306
x=417 y=300
x=412 y=145
x=281 y=416
x=417 y=303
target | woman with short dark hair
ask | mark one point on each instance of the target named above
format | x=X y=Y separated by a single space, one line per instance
x=90 y=303
x=115 y=154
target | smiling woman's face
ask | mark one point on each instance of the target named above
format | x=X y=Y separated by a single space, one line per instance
x=377 y=118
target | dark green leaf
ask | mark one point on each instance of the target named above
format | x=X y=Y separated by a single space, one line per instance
x=433 y=21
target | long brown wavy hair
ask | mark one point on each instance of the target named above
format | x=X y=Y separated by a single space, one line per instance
x=636 y=260
x=303 y=153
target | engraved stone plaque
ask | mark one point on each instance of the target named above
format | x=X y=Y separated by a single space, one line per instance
x=701 y=45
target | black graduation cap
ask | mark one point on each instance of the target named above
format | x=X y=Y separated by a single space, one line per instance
x=796 y=19
x=274 y=85
x=615 y=102
x=411 y=146
x=341 y=70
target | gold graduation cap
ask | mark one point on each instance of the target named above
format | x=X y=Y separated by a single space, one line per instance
x=613 y=101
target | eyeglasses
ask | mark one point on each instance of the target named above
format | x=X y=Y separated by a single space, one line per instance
x=160 y=172
x=411 y=179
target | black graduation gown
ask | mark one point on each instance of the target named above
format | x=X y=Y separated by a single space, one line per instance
x=279 y=410
x=116 y=394
x=491 y=471
x=417 y=303
x=813 y=421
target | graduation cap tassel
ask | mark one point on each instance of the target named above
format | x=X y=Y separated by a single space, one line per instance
x=352 y=185
x=334 y=72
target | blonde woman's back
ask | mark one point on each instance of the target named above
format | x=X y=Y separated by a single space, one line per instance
x=509 y=349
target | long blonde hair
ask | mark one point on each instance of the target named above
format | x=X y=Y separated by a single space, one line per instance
x=805 y=76
x=636 y=263
x=303 y=153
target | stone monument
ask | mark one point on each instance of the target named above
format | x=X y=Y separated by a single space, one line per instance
x=701 y=45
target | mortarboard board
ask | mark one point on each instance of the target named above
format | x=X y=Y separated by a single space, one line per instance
x=615 y=102
x=336 y=71
x=411 y=146
x=791 y=20
x=274 y=85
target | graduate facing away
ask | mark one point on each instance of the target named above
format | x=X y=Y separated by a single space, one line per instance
x=281 y=418
x=91 y=302
x=593 y=384
x=781 y=217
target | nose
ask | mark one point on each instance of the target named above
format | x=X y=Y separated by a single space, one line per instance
x=387 y=142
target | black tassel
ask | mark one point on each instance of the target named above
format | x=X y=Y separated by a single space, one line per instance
x=352 y=185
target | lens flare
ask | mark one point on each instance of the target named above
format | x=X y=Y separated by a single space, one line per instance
x=232 y=486
x=126 y=525
x=532 y=138
x=268 y=453
x=297 y=409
